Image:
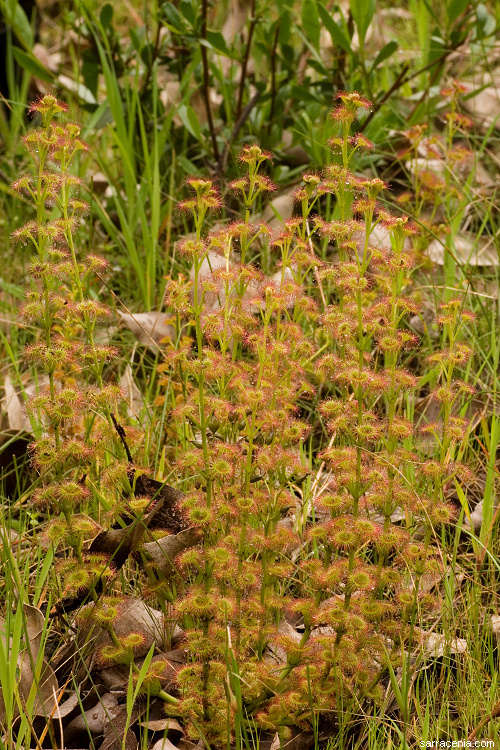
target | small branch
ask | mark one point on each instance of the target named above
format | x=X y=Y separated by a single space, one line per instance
x=246 y=56
x=206 y=79
x=239 y=124
x=121 y=434
x=273 y=78
x=395 y=86
x=493 y=715
x=401 y=81
x=152 y=61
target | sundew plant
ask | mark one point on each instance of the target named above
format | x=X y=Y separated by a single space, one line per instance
x=312 y=516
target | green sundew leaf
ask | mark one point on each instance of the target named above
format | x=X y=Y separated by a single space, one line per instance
x=386 y=51
x=455 y=8
x=188 y=11
x=285 y=28
x=310 y=21
x=436 y=47
x=188 y=166
x=106 y=15
x=485 y=20
x=188 y=118
x=336 y=33
x=136 y=41
x=28 y=62
x=362 y=12
x=172 y=17
x=216 y=41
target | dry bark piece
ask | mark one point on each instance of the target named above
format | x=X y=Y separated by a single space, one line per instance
x=118 y=544
x=164 y=512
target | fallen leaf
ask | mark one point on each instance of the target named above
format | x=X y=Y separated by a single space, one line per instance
x=49 y=60
x=468 y=249
x=163 y=725
x=184 y=744
x=296 y=155
x=438 y=644
x=134 y=399
x=134 y=616
x=116 y=678
x=164 y=744
x=13 y=405
x=485 y=105
x=235 y=20
x=279 y=209
x=115 y=728
x=495 y=628
x=149 y=328
x=163 y=551
x=94 y=718
x=46 y=685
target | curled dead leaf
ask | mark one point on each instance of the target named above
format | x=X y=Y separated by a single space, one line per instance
x=165 y=550
x=134 y=399
x=94 y=718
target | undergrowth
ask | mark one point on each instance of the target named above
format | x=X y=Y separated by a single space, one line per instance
x=313 y=519
x=287 y=531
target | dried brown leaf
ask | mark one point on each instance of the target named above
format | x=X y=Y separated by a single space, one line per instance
x=165 y=550
x=467 y=248
x=149 y=328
